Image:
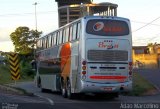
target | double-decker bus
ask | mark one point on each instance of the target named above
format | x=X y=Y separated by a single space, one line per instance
x=93 y=54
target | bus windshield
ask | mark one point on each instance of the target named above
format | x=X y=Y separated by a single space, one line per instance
x=108 y=27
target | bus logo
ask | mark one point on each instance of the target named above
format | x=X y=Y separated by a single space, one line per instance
x=108 y=44
x=98 y=26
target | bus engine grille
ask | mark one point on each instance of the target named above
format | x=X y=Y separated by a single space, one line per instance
x=107 y=55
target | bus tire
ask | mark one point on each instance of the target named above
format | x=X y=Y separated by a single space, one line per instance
x=70 y=95
x=63 y=89
x=43 y=90
x=39 y=82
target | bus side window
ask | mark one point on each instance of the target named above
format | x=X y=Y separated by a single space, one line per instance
x=70 y=32
x=55 y=39
x=78 y=30
x=67 y=34
x=60 y=37
x=57 y=35
x=74 y=31
x=38 y=44
x=49 y=40
x=64 y=35
x=43 y=43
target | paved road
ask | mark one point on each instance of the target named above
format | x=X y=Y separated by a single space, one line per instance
x=153 y=75
x=10 y=101
x=59 y=102
x=52 y=100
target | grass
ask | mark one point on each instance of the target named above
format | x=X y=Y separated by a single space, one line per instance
x=5 y=76
x=141 y=86
x=5 y=79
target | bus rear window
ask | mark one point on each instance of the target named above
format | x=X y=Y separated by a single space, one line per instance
x=105 y=27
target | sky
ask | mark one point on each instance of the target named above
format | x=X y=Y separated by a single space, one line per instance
x=143 y=14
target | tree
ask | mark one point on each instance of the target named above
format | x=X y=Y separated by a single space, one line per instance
x=24 y=39
x=150 y=44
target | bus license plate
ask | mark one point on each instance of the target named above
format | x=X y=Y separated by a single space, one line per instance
x=107 y=88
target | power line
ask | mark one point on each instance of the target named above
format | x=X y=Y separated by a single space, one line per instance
x=151 y=38
x=146 y=25
x=21 y=14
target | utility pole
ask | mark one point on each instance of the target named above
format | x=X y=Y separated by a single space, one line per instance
x=35 y=4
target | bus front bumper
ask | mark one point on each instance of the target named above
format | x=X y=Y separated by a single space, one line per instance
x=90 y=87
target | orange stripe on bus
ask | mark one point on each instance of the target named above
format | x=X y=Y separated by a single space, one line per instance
x=65 y=55
x=108 y=77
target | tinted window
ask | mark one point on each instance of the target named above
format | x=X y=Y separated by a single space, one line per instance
x=107 y=27
x=46 y=42
x=57 y=34
x=70 y=33
x=52 y=39
x=38 y=44
x=78 y=30
x=67 y=34
x=49 y=41
x=74 y=31
x=64 y=35
x=55 y=39
x=60 y=37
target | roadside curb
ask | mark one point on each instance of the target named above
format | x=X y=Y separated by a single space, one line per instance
x=51 y=102
x=157 y=88
x=10 y=90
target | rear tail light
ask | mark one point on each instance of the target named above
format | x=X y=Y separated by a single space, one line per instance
x=130 y=63
x=84 y=67
x=83 y=72
x=130 y=70
x=130 y=73
x=84 y=63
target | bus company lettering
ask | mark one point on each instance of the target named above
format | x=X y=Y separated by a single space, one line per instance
x=107 y=44
x=113 y=29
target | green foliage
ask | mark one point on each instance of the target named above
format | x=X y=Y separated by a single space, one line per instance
x=24 y=39
x=150 y=44
x=140 y=85
x=5 y=75
x=26 y=69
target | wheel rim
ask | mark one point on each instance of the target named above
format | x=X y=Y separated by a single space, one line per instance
x=63 y=92
x=68 y=89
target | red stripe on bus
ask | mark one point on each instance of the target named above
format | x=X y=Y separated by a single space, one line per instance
x=108 y=77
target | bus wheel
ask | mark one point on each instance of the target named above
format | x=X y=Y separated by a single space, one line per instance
x=39 y=82
x=63 y=89
x=69 y=93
